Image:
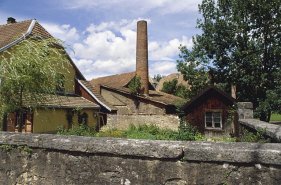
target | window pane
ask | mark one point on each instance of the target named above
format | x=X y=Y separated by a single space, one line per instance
x=208 y=114
x=208 y=124
x=217 y=115
x=217 y=120
x=217 y=125
x=209 y=120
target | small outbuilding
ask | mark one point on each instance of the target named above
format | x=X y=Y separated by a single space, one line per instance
x=209 y=110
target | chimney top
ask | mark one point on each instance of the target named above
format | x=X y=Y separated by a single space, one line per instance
x=11 y=20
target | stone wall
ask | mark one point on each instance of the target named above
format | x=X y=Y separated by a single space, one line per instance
x=245 y=112
x=83 y=160
x=162 y=121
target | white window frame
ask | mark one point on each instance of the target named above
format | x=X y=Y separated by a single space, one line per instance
x=213 y=121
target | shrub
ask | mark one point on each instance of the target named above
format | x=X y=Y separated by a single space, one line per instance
x=187 y=132
x=247 y=136
x=80 y=130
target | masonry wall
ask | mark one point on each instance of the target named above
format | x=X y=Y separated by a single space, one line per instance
x=127 y=104
x=82 y=160
x=165 y=121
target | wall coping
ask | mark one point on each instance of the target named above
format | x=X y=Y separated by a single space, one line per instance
x=266 y=153
x=272 y=131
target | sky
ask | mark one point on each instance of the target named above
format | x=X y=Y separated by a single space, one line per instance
x=102 y=33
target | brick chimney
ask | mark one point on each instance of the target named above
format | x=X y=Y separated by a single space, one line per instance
x=11 y=20
x=142 y=56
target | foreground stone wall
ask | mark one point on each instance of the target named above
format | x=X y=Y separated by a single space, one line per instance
x=83 y=160
x=165 y=121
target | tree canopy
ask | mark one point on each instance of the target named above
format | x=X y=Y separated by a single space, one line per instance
x=30 y=71
x=240 y=45
x=172 y=87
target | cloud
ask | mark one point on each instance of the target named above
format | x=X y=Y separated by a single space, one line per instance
x=63 y=32
x=167 y=51
x=163 y=68
x=110 y=48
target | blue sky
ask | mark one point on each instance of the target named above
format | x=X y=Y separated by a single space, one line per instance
x=102 y=33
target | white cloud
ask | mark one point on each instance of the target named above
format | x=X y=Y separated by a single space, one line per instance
x=110 y=48
x=163 y=68
x=167 y=51
x=63 y=32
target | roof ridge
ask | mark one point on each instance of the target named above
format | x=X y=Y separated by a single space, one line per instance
x=16 y=22
x=112 y=75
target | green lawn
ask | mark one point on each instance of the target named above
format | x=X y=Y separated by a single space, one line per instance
x=275 y=117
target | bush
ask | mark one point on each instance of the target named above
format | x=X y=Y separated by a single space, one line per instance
x=187 y=132
x=247 y=136
x=112 y=133
x=80 y=130
x=150 y=132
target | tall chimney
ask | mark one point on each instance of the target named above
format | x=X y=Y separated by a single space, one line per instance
x=142 y=56
x=11 y=20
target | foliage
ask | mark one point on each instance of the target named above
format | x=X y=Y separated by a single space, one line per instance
x=80 y=130
x=29 y=72
x=27 y=149
x=150 y=132
x=187 y=132
x=231 y=111
x=240 y=45
x=82 y=118
x=135 y=85
x=178 y=104
x=172 y=87
x=257 y=137
x=158 y=77
x=112 y=133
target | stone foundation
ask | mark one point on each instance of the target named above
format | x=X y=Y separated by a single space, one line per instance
x=122 y=122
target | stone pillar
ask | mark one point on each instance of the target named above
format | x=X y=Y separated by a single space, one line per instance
x=245 y=110
x=142 y=56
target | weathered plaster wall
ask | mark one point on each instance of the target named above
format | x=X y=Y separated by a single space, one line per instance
x=83 y=160
x=48 y=120
x=127 y=104
x=165 y=121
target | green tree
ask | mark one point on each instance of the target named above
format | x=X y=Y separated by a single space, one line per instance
x=240 y=45
x=172 y=87
x=29 y=72
x=158 y=77
x=135 y=85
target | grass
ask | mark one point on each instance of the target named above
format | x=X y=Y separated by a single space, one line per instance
x=275 y=117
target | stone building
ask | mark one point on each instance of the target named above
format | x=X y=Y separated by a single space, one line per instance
x=149 y=106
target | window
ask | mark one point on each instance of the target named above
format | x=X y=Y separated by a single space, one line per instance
x=213 y=119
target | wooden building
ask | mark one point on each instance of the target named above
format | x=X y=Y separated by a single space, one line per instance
x=209 y=110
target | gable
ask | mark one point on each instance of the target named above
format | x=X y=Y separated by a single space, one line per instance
x=206 y=94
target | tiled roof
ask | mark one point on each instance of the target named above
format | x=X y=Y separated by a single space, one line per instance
x=13 y=31
x=116 y=81
x=98 y=96
x=119 y=81
x=62 y=101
